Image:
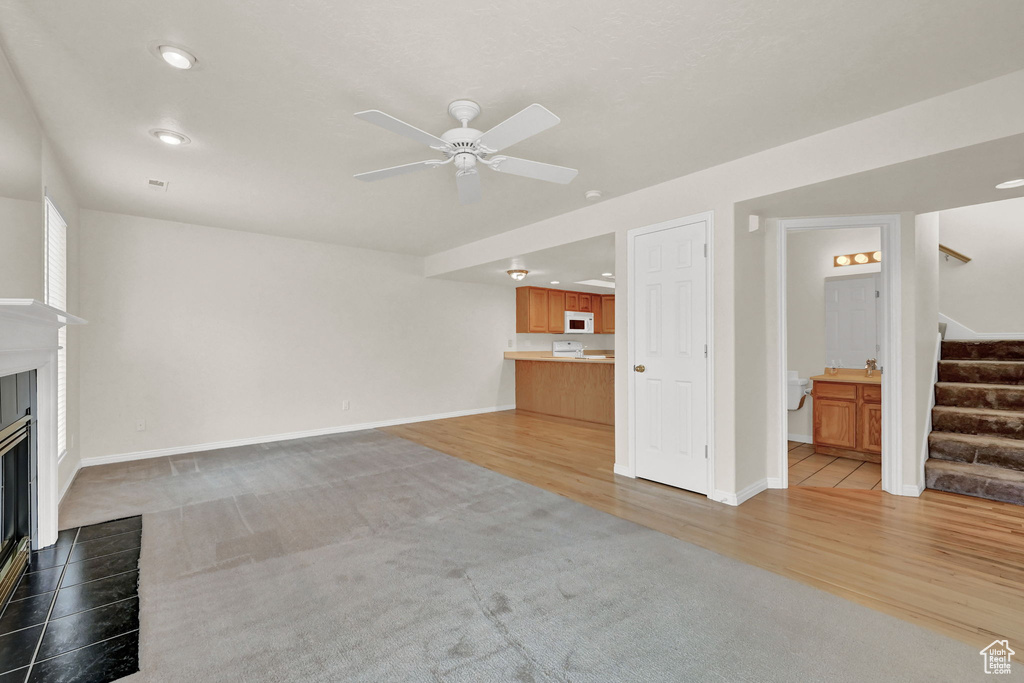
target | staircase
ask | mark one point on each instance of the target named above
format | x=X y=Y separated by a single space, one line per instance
x=977 y=443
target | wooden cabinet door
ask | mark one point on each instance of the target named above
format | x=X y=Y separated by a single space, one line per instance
x=586 y=303
x=869 y=427
x=572 y=301
x=556 y=311
x=835 y=423
x=608 y=314
x=538 y=310
x=598 y=317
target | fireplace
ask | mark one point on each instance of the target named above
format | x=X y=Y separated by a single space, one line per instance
x=28 y=345
x=17 y=472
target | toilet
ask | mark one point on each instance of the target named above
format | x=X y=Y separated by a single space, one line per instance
x=795 y=391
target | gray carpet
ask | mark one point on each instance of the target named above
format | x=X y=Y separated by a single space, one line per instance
x=365 y=557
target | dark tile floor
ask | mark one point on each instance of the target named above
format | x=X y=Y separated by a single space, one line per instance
x=74 y=615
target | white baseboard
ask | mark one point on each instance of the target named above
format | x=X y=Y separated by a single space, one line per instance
x=249 y=441
x=70 y=481
x=956 y=331
x=802 y=438
x=775 y=483
x=742 y=495
x=623 y=470
x=914 y=490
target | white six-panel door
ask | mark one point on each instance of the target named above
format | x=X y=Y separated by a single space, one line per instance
x=669 y=300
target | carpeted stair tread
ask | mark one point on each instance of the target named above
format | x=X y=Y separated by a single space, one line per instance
x=972 y=479
x=989 y=349
x=978 y=395
x=982 y=371
x=981 y=421
x=993 y=451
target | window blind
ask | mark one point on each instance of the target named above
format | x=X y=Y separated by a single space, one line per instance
x=57 y=296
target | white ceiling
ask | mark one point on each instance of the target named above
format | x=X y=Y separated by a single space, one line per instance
x=647 y=91
x=567 y=263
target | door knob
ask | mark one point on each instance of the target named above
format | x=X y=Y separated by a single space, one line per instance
x=638 y=368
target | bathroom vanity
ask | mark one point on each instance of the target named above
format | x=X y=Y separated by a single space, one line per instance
x=848 y=414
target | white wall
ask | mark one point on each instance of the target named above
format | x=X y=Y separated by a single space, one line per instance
x=213 y=335
x=809 y=256
x=542 y=342
x=985 y=294
x=21 y=258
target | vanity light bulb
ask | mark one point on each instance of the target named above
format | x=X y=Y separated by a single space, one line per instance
x=843 y=260
x=861 y=258
x=878 y=256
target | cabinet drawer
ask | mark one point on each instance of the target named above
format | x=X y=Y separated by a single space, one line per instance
x=869 y=393
x=835 y=390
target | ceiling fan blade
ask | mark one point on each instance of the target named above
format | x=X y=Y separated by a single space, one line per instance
x=469 y=187
x=388 y=122
x=534 y=169
x=527 y=123
x=397 y=170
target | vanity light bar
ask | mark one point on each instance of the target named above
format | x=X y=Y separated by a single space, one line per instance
x=858 y=259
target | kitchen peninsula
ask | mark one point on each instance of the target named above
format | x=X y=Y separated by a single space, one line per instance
x=576 y=388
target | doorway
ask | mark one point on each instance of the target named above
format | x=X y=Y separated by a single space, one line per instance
x=851 y=400
x=669 y=352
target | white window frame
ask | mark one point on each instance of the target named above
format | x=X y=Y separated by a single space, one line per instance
x=55 y=279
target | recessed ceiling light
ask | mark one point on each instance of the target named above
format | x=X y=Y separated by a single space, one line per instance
x=170 y=137
x=555 y=282
x=1010 y=184
x=593 y=195
x=606 y=274
x=176 y=57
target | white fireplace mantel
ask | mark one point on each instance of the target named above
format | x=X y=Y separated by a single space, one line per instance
x=28 y=341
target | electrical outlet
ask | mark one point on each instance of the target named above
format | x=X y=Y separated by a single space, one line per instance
x=140 y=425
x=345 y=405
x=510 y=343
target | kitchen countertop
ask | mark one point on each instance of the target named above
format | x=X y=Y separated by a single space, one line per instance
x=849 y=375
x=546 y=356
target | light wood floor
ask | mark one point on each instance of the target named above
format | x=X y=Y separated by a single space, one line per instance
x=953 y=564
x=807 y=468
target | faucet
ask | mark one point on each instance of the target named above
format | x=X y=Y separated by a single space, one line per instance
x=870 y=366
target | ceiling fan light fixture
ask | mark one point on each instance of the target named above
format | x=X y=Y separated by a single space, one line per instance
x=177 y=57
x=517 y=275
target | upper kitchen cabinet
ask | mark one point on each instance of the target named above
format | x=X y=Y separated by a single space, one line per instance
x=542 y=310
x=531 y=309
x=607 y=314
x=556 y=310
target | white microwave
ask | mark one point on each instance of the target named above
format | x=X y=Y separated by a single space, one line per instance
x=579 y=323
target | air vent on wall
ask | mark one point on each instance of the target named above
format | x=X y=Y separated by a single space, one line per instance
x=158 y=185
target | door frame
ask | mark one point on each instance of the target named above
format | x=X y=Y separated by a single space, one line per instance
x=708 y=218
x=890 y=334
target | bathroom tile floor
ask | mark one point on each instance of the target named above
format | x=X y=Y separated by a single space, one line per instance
x=74 y=615
x=807 y=468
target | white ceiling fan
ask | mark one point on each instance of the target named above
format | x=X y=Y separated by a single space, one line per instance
x=467 y=147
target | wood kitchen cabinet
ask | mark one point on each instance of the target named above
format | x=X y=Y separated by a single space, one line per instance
x=556 y=311
x=848 y=419
x=607 y=314
x=542 y=310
